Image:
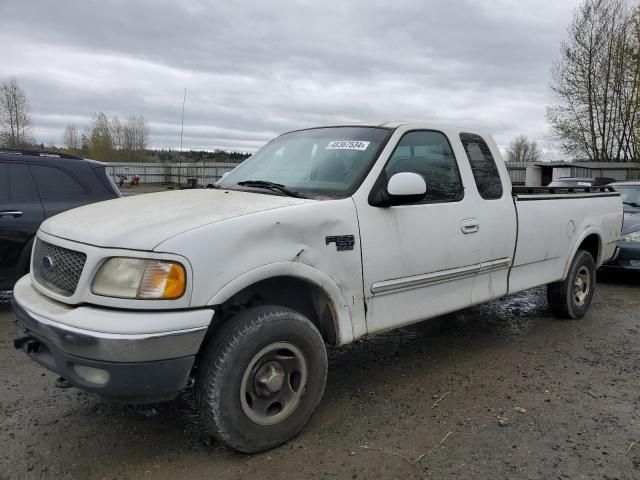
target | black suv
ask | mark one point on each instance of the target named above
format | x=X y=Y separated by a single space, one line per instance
x=35 y=186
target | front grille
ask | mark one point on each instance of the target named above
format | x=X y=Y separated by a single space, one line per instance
x=57 y=268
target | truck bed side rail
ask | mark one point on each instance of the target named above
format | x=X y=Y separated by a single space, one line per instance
x=520 y=190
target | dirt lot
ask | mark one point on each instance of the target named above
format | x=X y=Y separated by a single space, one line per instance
x=525 y=396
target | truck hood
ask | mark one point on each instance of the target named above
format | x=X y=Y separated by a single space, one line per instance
x=142 y=222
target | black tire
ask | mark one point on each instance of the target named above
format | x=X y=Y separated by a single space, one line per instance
x=25 y=258
x=571 y=297
x=234 y=383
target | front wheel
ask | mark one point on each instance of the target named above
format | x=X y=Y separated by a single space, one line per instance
x=571 y=297
x=261 y=378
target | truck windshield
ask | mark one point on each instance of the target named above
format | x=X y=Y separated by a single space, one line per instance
x=330 y=161
x=630 y=197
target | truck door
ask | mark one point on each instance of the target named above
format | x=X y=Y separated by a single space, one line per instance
x=419 y=259
x=495 y=214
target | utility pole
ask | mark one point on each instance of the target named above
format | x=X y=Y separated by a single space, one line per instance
x=184 y=99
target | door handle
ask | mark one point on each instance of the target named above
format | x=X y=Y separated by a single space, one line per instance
x=470 y=225
x=10 y=213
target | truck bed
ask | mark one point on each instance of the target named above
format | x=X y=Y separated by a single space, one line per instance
x=549 y=230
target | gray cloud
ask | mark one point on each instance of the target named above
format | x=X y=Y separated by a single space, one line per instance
x=256 y=69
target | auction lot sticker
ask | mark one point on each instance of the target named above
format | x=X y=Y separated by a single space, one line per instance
x=347 y=145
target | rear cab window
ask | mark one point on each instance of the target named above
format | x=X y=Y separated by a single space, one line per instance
x=483 y=166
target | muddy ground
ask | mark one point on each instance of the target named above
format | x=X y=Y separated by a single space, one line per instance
x=525 y=396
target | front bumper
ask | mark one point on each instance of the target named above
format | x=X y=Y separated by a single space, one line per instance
x=134 y=368
x=628 y=256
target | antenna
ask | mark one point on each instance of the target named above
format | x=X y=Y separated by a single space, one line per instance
x=182 y=125
x=184 y=99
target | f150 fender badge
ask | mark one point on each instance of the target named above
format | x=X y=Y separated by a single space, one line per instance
x=343 y=242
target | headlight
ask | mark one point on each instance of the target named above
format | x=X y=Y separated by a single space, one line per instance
x=123 y=277
x=631 y=237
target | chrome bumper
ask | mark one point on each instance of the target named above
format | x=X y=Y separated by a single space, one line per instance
x=134 y=368
x=111 y=347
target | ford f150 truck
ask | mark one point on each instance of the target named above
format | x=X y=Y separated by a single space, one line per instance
x=323 y=236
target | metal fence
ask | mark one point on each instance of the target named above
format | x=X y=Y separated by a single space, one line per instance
x=203 y=172
x=517 y=171
x=619 y=174
x=210 y=172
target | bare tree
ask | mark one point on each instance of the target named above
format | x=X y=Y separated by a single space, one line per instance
x=117 y=132
x=98 y=138
x=596 y=83
x=15 y=121
x=116 y=140
x=143 y=134
x=71 y=139
x=136 y=135
x=523 y=150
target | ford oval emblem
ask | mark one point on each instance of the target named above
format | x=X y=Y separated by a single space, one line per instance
x=47 y=263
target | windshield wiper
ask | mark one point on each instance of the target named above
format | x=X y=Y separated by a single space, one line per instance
x=632 y=204
x=270 y=186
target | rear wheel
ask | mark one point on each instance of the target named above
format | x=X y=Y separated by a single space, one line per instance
x=261 y=378
x=571 y=297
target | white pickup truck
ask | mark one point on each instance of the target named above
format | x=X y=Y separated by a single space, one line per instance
x=323 y=236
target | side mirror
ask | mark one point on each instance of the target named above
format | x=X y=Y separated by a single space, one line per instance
x=401 y=189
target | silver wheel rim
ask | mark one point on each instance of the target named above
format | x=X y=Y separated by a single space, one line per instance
x=272 y=383
x=582 y=286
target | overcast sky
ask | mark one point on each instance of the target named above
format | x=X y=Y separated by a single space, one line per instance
x=256 y=69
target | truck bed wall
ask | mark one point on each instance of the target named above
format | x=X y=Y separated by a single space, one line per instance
x=550 y=230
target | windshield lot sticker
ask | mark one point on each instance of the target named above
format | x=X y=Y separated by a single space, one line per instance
x=347 y=145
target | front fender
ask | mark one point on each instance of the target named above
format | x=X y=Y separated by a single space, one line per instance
x=344 y=325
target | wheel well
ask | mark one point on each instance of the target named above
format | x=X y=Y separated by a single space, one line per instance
x=591 y=244
x=25 y=257
x=295 y=293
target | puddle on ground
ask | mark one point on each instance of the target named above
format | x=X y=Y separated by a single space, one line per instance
x=509 y=316
x=503 y=318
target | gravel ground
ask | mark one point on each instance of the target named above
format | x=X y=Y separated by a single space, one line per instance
x=519 y=394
